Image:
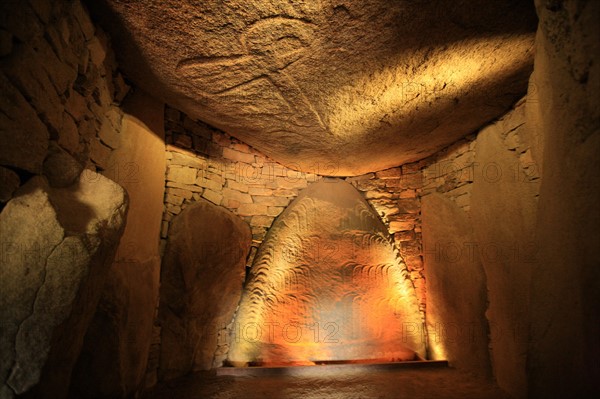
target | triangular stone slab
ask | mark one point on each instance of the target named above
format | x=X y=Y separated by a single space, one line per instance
x=327 y=285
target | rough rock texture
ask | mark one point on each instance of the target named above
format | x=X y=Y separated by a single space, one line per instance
x=203 y=162
x=395 y=195
x=489 y=182
x=456 y=288
x=115 y=354
x=352 y=85
x=201 y=283
x=565 y=323
x=60 y=167
x=56 y=246
x=9 y=182
x=59 y=84
x=327 y=284
x=23 y=137
x=503 y=211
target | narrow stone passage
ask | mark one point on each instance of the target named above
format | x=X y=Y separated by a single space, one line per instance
x=392 y=384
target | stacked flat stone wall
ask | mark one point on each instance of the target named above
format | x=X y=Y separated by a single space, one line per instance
x=451 y=172
x=203 y=162
x=395 y=195
x=60 y=93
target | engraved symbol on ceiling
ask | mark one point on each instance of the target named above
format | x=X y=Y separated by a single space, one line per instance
x=270 y=45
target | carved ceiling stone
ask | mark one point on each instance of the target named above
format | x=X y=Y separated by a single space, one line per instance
x=349 y=85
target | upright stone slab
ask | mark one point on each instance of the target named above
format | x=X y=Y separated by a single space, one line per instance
x=456 y=287
x=201 y=283
x=503 y=207
x=327 y=284
x=57 y=244
x=115 y=355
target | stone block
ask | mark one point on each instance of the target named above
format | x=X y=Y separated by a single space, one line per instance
x=307 y=244
x=99 y=153
x=410 y=181
x=282 y=192
x=109 y=135
x=404 y=236
x=274 y=210
x=408 y=194
x=187 y=187
x=241 y=147
x=252 y=209
x=209 y=183
x=235 y=185
x=68 y=137
x=212 y=196
x=173 y=209
x=60 y=74
x=261 y=221
x=9 y=182
x=396 y=226
x=186 y=194
x=271 y=201
x=173 y=199
x=23 y=137
x=260 y=191
x=189 y=160
x=238 y=156
x=231 y=203
x=181 y=174
x=409 y=206
x=242 y=198
x=289 y=183
x=413 y=167
x=182 y=140
x=97 y=51
x=171 y=114
x=367 y=176
x=76 y=105
x=60 y=167
x=392 y=173
x=197 y=128
x=83 y=20
x=378 y=194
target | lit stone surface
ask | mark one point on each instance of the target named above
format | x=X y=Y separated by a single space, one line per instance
x=201 y=282
x=327 y=284
x=54 y=261
x=394 y=384
x=344 y=87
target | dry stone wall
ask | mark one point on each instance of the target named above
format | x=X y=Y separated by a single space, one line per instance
x=60 y=93
x=395 y=195
x=203 y=162
x=452 y=171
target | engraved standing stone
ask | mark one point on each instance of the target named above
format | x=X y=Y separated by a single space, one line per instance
x=327 y=284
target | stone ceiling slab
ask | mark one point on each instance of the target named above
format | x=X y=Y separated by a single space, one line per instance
x=340 y=87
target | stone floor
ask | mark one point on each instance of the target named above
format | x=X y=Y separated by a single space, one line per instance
x=443 y=383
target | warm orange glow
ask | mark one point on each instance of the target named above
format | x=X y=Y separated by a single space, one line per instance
x=327 y=285
x=395 y=94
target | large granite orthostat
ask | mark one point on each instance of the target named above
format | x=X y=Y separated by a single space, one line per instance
x=330 y=86
x=57 y=244
x=327 y=285
x=201 y=284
